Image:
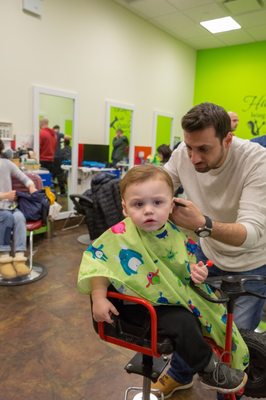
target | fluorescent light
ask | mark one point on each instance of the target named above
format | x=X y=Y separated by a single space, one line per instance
x=220 y=25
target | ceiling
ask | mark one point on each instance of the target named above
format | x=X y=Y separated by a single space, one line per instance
x=181 y=19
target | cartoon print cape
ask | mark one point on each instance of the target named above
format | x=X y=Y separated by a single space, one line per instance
x=156 y=266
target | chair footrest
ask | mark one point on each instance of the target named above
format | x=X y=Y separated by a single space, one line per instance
x=151 y=370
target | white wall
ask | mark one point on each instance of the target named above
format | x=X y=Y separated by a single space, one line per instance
x=99 y=50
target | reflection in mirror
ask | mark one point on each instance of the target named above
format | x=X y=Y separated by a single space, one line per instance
x=119 y=133
x=55 y=122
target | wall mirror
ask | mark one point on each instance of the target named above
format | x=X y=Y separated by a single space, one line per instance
x=163 y=128
x=60 y=108
x=120 y=116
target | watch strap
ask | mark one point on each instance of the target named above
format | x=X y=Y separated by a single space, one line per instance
x=208 y=222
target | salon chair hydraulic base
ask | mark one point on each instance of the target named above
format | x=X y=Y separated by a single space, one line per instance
x=150 y=368
x=37 y=272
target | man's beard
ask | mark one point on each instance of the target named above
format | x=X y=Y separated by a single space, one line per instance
x=217 y=164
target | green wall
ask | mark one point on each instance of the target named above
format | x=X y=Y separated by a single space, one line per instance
x=235 y=78
x=163 y=130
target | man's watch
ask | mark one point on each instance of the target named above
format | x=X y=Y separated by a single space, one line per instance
x=206 y=230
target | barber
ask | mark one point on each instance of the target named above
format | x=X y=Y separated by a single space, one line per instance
x=223 y=177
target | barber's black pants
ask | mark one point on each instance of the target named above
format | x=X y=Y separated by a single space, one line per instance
x=178 y=324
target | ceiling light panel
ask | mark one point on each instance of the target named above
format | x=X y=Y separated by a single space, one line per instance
x=220 y=25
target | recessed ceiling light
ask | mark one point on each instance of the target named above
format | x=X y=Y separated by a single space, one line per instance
x=220 y=25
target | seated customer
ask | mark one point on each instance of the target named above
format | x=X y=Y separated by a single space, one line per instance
x=164 y=152
x=12 y=221
x=148 y=256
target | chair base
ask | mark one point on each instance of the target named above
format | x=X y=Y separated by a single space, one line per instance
x=139 y=396
x=38 y=271
x=66 y=225
x=84 y=239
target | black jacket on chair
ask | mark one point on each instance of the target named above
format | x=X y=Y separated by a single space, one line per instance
x=106 y=210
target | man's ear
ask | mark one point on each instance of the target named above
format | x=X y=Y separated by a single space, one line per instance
x=124 y=209
x=228 y=139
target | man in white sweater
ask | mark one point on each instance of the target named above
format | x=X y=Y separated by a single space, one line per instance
x=12 y=221
x=224 y=179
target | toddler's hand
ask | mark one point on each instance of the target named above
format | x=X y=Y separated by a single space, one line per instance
x=198 y=272
x=102 y=309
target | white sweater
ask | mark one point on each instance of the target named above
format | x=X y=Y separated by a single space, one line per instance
x=8 y=170
x=235 y=192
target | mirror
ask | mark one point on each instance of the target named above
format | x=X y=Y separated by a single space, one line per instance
x=120 y=128
x=162 y=130
x=59 y=108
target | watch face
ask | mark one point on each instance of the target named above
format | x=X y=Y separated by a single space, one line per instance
x=204 y=233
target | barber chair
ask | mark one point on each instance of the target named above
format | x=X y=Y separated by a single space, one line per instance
x=151 y=357
x=81 y=205
x=37 y=271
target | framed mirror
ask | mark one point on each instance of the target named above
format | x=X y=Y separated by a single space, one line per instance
x=120 y=124
x=59 y=107
x=163 y=128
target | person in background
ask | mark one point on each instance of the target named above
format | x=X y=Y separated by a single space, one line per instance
x=234 y=120
x=146 y=255
x=120 y=147
x=223 y=177
x=67 y=149
x=58 y=173
x=12 y=221
x=47 y=145
x=176 y=145
x=260 y=139
x=66 y=153
x=164 y=152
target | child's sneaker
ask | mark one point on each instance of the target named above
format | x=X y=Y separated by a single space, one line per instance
x=221 y=377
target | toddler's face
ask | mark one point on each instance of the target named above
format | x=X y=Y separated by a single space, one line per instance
x=148 y=204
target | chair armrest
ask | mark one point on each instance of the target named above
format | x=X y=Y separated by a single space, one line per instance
x=74 y=198
x=152 y=347
x=80 y=207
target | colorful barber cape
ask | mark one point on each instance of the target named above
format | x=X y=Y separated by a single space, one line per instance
x=156 y=266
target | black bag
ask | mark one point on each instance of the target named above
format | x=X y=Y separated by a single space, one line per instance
x=34 y=206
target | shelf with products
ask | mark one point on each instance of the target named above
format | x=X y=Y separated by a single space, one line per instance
x=6 y=131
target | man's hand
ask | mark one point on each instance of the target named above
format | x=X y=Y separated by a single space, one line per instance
x=186 y=215
x=102 y=309
x=198 y=272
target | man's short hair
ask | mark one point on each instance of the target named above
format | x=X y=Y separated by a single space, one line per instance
x=207 y=115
